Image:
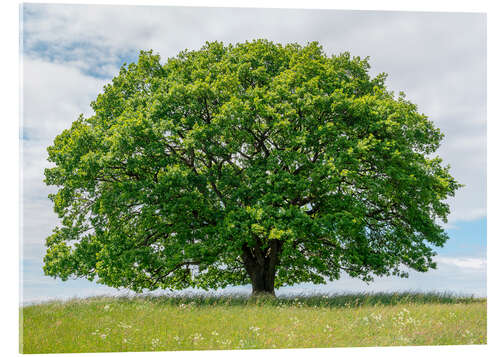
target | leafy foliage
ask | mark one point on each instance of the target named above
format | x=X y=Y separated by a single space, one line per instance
x=253 y=162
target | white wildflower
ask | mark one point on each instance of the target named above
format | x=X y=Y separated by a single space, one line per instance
x=197 y=337
x=155 y=342
x=122 y=325
x=376 y=317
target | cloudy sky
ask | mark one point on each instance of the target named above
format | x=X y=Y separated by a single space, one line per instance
x=438 y=59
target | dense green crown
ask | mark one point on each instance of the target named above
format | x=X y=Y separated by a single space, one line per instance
x=185 y=163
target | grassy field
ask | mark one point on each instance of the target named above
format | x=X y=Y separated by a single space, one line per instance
x=235 y=322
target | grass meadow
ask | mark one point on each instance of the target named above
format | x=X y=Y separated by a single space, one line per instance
x=205 y=322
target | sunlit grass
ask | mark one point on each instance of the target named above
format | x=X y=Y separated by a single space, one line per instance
x=201 y=322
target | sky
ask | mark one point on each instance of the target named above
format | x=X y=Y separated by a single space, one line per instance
x=69 y=52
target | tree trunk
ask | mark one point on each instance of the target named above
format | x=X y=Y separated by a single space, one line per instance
x=261 y=267
x=262 y=282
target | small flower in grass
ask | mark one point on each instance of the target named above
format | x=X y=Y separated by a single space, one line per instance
x=106 y=307
x=466 y=333
x=177 y=339
x=125 y=340
x=103 y=336
x=224 y=342
x=197 y=337
x=155 y=342
x=122 y=325
x=404 y=339
x=404 y=318
x=215 y=333
x=376 y=317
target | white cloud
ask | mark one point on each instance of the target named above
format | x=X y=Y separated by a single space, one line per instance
x=53 y=97
x=464 y=263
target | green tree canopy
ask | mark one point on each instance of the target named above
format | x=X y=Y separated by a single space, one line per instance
x=250 y=163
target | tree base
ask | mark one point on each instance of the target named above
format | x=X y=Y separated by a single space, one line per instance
x=263 y=294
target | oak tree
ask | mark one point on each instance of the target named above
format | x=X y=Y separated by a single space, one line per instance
x=251 y=163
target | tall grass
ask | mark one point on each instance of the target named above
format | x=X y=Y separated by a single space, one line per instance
x=312 y=300
x=204 y=321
